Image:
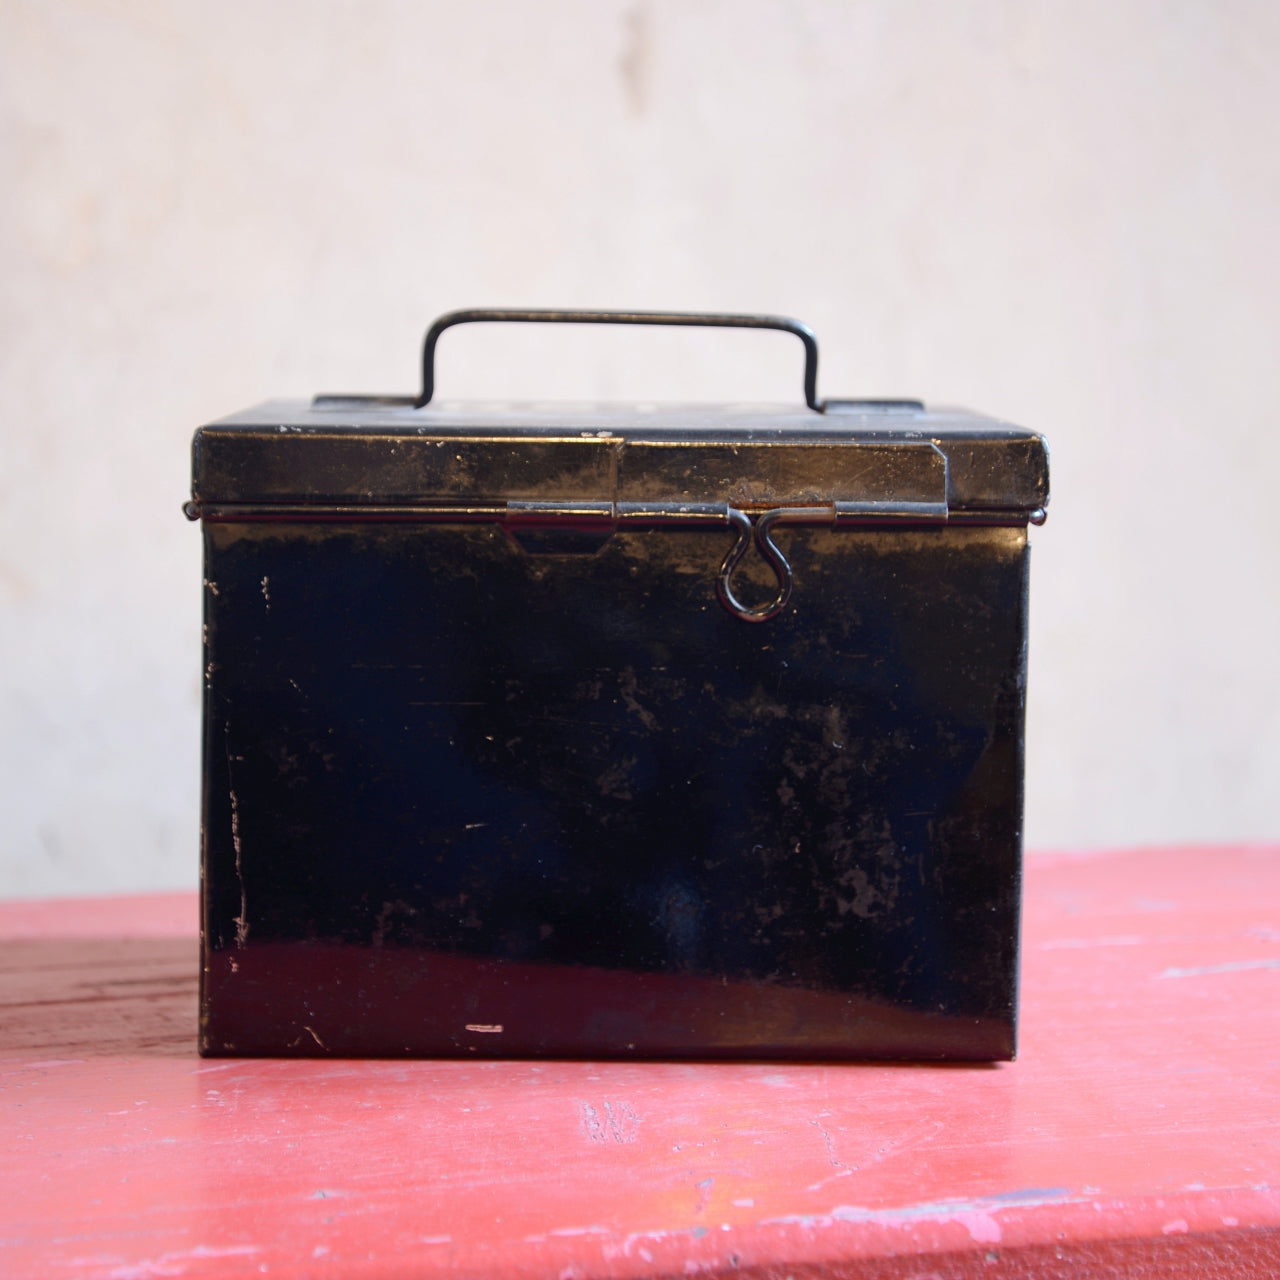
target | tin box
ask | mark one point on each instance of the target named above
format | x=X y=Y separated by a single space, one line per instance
x=613 y=731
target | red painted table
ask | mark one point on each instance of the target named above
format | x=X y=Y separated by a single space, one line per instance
x=1138 y=1134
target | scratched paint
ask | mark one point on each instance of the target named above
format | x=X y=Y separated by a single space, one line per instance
x=610 y=1122
x=783 y=930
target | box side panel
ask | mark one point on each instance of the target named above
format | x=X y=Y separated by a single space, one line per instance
x=462 y=798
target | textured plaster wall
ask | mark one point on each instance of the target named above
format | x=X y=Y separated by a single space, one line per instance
x=1062 y=213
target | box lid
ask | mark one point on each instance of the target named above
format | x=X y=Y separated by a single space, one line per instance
x=380 y=457
x=376 y=452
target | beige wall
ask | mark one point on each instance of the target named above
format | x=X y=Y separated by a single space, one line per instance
x=1062 y=213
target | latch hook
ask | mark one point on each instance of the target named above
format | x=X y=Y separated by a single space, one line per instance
x=761 y=530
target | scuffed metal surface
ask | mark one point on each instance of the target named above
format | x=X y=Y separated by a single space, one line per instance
x=574 y=790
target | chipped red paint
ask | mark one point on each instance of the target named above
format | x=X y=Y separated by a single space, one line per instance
x=1138 y=1135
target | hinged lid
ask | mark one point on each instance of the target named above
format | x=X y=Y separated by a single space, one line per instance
x=374 y=450
x=751 y=466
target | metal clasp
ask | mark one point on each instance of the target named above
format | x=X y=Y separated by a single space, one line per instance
x=760 y=530
x=600 y=517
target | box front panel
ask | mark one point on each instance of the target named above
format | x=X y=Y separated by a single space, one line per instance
x=468 y=796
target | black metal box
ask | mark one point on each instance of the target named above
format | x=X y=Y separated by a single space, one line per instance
x=688 y=732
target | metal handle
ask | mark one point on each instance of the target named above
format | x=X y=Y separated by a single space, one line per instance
x=695 y=319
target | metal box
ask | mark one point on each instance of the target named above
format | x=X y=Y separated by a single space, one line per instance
x=610 y=732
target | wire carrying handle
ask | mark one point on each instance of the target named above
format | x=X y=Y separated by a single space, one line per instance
x=689 y=319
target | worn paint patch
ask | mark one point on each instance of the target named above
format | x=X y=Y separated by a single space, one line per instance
x=613 y=1121
x=978 y=1217
x=1234 y=966
x=176 y=1264
x=1087 y=944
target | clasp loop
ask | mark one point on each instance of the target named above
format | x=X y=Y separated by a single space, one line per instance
x=760 y=531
